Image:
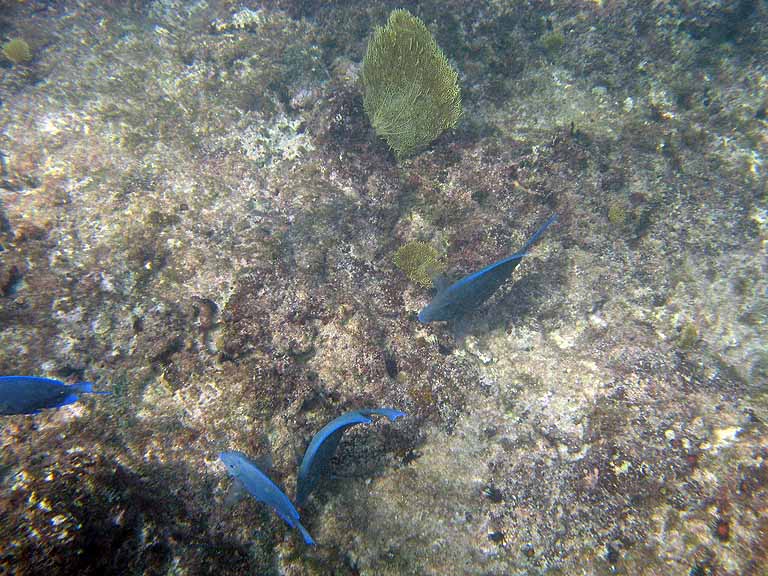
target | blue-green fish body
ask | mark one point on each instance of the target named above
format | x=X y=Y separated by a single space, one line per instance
x=323 y=446
x=263 y=489
x=471 y=291
x=32 y=394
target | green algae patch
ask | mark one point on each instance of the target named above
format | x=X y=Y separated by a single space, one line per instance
x=419 y=261
x=411 y=92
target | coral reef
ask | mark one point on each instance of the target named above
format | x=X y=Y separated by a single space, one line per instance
x=196 y=214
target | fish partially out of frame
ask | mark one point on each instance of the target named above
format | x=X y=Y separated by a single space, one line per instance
x=263 y=489
x=32 y=394
x=323 y=446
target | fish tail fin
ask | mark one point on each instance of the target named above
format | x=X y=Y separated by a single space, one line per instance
x=87 y=388
x=307 y=538
x=537 y=234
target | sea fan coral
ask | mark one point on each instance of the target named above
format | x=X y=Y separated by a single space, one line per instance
x=17 y=51
x=412 y=93
x=419 y=261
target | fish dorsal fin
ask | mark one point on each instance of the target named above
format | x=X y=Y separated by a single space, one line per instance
x=492 y=267
x=536 y=235
x=516 y=257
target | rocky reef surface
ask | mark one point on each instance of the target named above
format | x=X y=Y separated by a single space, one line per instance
x=196 y=214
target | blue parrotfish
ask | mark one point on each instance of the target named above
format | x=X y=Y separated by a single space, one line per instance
x=472 y=290
x=32 y=394
x=323 y=446
x=263 y=489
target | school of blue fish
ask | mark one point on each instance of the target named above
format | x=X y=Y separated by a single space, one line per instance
x=32 y=394
x=315 y=462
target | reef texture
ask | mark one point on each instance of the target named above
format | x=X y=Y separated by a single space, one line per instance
x=196 y=214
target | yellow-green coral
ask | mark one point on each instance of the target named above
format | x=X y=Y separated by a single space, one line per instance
x=17 y=51
x=617 y=213
x=411 y=92
x=419 y=261
x=689 y=336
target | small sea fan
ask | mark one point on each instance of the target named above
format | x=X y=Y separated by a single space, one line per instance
x=17 y=51
x=411 y=92
x=419 y=261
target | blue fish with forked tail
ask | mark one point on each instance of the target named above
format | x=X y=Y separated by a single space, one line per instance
x=471 y=291
x=263 y=489
x=32 y=394
x=323 y=446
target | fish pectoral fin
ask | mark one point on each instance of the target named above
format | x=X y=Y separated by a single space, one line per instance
x=441 y=282
x=235 y=493
x=68 y=399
